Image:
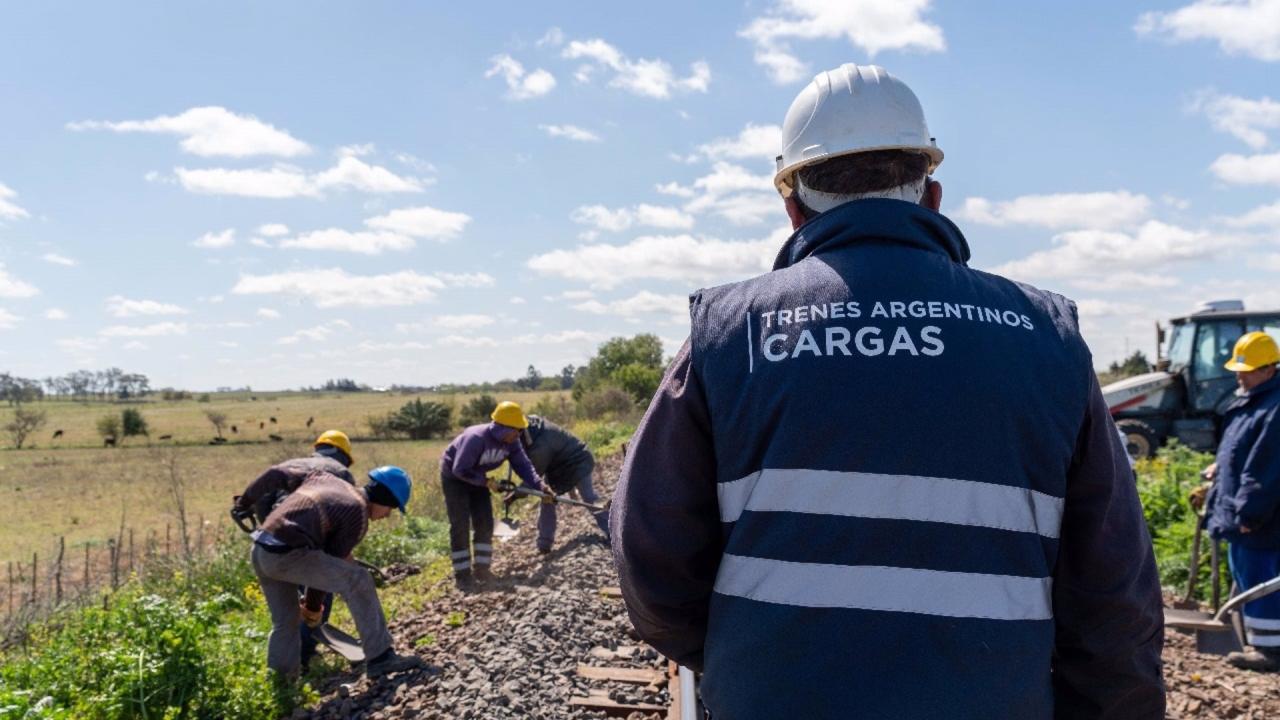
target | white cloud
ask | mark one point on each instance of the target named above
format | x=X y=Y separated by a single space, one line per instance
x=314 y=334
x=1248 y=169
x=12 y=287
x=521 y=85
x=1241 y=27
x=872 y=25
x=570 y=132
x=259 y=242
x=1125 y=281
x=268 y=314
x=733 y=193
x=210 y=131
x=657 y=216
x=337 y=288
x=8 y=320
x=675 y=307
x=286 y=181
x=57 y=259
x=1265 y=216
x=553 y=37
x=55 y=314
x=9 y=209
x=160 y=329
x=1246 y=119
x=122 y=307
x=422 y=222
x=1094 y=308
x=674 y=188
x=358 y=150
x=78 y=344
x=681 y=258
x=1085 y=253
x=466 y=280
x=562 y=337
x=279 y=182
x=273 y=230
x=753 y=142
x=216 y=240
x=1095 y=210
x=336 y=239
x=467 y=341
x=447 y=322
x=352 y=172
x=646 y=78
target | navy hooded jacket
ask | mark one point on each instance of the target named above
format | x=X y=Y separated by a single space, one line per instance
x=876 y=483
x=1246 y=491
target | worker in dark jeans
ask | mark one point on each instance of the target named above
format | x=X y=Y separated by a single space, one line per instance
x=463 y=477
x=1243 y=502
x=331 y=454
x=566 y=464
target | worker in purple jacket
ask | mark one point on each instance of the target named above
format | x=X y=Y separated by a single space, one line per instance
x=463 y=468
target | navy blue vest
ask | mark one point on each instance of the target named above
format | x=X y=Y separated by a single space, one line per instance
x=893 y=432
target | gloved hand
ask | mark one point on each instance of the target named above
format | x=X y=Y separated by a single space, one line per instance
x=311 y=618
x=1197 y=496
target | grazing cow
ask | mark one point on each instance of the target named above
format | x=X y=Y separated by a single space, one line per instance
x=234 y=430
x=166 y=437
x=57 y=434
x=276 y=438
x=310 y=420
x=273 y=420
x=108 y=442
x=261 y=425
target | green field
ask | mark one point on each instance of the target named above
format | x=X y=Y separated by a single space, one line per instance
x=75 y=488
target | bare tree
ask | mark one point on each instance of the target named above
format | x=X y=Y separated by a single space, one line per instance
x=25 y=421
x=219 y=420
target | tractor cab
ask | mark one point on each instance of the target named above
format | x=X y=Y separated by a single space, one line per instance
x=1185 y=395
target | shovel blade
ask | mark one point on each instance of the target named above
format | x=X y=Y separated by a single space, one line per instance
x=504 y=530
x=340 y=642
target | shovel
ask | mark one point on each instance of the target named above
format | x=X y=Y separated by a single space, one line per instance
x=340 y=642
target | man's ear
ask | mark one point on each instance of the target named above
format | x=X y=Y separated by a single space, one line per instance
x=795 y=212
x=932 y=194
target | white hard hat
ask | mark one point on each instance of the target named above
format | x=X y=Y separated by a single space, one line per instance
x=852 y=109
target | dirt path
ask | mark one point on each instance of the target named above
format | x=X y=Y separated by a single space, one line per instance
x=511 y=650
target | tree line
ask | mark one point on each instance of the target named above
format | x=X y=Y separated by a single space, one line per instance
x=112 y=383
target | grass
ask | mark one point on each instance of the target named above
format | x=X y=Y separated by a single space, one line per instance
x=80 y=490
x=185 y=419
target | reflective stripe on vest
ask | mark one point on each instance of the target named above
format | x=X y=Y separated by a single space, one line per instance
x=892 y=497
x=931 y=592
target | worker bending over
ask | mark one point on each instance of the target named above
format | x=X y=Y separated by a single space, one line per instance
x=332 y=454
x=566 y=464
x=1242 y=505
x=463 y=468
x=878 y=483
x=308 y=540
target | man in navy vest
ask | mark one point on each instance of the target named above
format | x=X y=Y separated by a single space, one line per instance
x=1243 y=504
x=878 y=483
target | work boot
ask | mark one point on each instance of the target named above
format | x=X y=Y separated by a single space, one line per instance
x=463 y=579
x=483 y=574
x=544 y=549
x=1254 y=660
x=390 y=662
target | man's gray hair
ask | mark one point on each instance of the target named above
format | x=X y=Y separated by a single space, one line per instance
x=892 y=174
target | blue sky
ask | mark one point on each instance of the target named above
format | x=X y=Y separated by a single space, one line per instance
x=275 y=193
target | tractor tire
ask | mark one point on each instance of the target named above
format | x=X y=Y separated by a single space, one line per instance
x=1140 y=439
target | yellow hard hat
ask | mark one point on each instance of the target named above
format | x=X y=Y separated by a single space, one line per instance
x=509 y=414
x=338 y=439
x=1253 y=350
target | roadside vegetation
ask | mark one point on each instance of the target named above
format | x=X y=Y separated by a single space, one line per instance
x=1163 y=484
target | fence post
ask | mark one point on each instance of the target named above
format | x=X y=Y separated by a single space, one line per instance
x=130 y=550
x=57 y=576
x=35 y=570
x=115 y=564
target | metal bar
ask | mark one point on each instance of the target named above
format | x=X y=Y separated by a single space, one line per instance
x=688 y=695
x=1215 y=549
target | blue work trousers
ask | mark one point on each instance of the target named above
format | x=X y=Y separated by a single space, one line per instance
x=1250 y=566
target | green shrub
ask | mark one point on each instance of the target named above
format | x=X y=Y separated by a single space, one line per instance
x=132 y=423
x=606 y=401
x=604 y=437
x=422 y=420
x=1163 y=485
x=555 y=408
x=477 y=410
x=414 y=540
